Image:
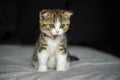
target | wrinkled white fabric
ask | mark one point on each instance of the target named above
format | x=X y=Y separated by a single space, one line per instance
x=16 y=64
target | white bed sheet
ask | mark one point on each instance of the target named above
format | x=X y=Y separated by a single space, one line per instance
x=16 y=64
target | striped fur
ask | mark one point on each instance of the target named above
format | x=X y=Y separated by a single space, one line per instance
x=51 y=48
x=52 y=16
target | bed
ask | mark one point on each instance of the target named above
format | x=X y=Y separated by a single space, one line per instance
x=16 y=64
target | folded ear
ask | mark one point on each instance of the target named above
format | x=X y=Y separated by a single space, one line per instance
x=44 y=14
x=68 y=14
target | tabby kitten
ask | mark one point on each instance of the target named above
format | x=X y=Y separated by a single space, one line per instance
x=51 y=48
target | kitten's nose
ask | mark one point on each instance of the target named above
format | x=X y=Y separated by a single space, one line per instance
x=57 y=31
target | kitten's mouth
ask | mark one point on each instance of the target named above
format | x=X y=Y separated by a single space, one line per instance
x=55 y=36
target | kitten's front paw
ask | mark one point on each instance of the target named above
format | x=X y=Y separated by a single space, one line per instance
x=42 y=69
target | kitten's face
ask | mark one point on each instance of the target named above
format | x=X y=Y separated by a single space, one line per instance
x=54 y=22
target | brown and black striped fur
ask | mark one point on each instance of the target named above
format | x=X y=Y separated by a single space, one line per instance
x=48 y=18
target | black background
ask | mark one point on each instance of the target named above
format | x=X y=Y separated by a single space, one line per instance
x=94 y=23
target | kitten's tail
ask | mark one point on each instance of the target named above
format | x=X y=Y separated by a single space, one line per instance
x=73 y=58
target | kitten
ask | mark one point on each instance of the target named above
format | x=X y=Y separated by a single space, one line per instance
x=51 y=48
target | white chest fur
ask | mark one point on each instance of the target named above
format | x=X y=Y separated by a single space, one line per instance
x=52 y=45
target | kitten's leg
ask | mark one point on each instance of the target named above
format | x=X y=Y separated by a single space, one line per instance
x=62 y=62
x=42 y=59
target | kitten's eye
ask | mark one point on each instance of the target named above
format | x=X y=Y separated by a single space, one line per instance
x=51 y=25
x=62 y=26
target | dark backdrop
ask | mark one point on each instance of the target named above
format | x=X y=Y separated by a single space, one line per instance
x=94 y=22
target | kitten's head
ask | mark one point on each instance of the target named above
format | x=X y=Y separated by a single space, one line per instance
x=54 y=22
